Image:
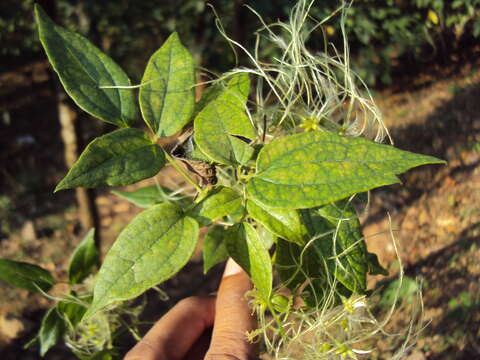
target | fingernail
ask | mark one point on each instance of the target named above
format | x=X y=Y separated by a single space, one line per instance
x=232 y=268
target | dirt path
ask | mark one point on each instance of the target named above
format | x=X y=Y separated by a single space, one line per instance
x=435 y=214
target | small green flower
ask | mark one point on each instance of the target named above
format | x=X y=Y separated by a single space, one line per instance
x=310 y=124
x=345 y=352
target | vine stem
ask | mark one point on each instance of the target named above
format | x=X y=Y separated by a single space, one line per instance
x=182 y=172
x=277 y=320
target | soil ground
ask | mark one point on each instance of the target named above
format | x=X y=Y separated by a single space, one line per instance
x=434 y=215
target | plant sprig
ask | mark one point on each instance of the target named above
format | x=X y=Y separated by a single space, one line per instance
x=281 y=205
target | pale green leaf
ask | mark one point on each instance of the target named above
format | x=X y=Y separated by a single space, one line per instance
x=238 y=215
x=152 y=248
x=51 y=330
x=214 y=249
x=245 y=247
x=26 y=276
x=148 y=196
x=285 y=223
x=314 y=168
x=220 y=202
x=121 y=157
x=143 y=197
x=167 y=94
x=238 y=85
x=268 y=238
x=84 y=259
x=83 y=69
x=222 y=121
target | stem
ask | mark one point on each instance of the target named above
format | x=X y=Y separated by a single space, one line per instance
x=277 y=320
x=182 y=172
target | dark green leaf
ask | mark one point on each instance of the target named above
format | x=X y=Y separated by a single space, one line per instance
x=71 y=312
x=84 y=259
x=167 y=94
x=290 y=265
x=245 y=247
x=51 y=330
x=122 y=157
x=153 y=247
x=285 y=223
x=214 y=249
x=314 y=168
x=219 y=202
x=83 y=69
x=306 y=271
x=222 y=120
x=374 y=267
x=25 y=276
x=350 y=250
x=337 y=247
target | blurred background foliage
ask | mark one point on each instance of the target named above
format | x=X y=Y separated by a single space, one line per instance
x=382 y=33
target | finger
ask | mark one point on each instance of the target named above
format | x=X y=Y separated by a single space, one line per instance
x=175 y=333
x=200 y=348
x=232 y=317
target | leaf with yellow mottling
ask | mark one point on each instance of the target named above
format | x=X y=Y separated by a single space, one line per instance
x=315 y=168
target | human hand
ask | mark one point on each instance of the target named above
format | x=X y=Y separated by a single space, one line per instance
x=184 y=332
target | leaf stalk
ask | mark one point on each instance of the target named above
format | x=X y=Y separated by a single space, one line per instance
x=182 y=172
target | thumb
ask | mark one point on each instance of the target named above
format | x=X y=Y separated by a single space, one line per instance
x=232 y=317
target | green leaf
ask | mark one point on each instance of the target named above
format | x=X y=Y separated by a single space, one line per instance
x=268 y=238
x=219 y=202
x=214 y=249
x=167 y=94
x=222 y=120
x=350 y=250
x=307 y=269
x=51 y=330
x=239 y=85
x=285 y=223
x=71 y=312
x=314 y=168
x=26 y=276
x=152 y=248
x=245 y=247
x=84 y=259
x=83 y=69
x=404 y=289
x=208 y=95
x=121 y=157
x=374 y=267
x=144 y=197
x=289 y=264
x=148 y=196
x=337 y=250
